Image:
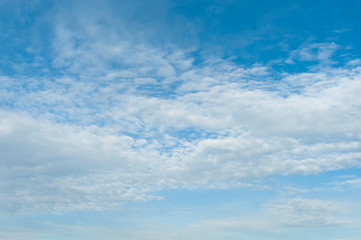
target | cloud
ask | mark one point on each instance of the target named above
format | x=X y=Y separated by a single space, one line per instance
x=320 y=52
x=248 y=224
x=353 y=183
x=278 y=217
x=82 y=152
x=117 y=118
x=57 y=167
x=309 y=212
x=354 y=62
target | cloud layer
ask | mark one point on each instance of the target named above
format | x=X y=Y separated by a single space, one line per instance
x=113 y=118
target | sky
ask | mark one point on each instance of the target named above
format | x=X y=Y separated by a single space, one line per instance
x=167 y=119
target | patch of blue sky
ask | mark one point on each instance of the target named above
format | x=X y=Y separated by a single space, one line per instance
x=25 y=37
x=325 y=178
x=160 y=90
x=266 y=30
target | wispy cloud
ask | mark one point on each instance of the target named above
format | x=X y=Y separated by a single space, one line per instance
x=310 y=212
x=318 y=52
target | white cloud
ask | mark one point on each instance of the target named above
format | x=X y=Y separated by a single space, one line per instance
x=123 y=119
x=354 y=183
x=130 y=148
x=216 y=135
x=279 y=217
x=321 y=52
x=309 y=212
x=354 y=62
x=254 y=224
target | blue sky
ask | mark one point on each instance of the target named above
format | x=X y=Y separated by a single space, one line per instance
x=180 y=120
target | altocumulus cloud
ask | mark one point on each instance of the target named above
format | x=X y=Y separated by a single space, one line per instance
x=122 y=120
x=75 y=144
